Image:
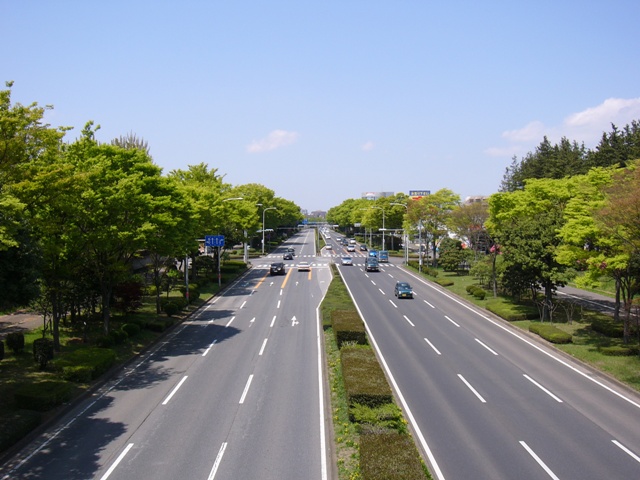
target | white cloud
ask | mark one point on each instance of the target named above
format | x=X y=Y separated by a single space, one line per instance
x=276 y=139
x=585 y=127
x=368 y=146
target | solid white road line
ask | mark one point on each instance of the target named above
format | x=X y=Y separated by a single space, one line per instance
x=216 y=464
x=472 y=389
x=452 y=321
x=540 y=462
x=115 y=464
x=433 y=346
x=492 y=351
x=173 y=392
x=542 y=388
x=626 y=450
x=246 y=389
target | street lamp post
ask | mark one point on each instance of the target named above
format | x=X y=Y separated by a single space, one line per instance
x=264 y=210
x=406 y=236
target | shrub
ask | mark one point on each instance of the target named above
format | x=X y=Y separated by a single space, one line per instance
x=15 y=341
x=104 y=341
x=42 y=352
x=606 y=326
x=619 y=351
x=444 y=282
x=550 y=333
x=131 y=329
x=118 y=336
x=16 y=425
x=364 y=380
x=387 y=416
x=348 y=327
x=77 y=373
x=43 y=396
x=470 y=289
x=389 y=456
x=1 y=350
x=96 y=359
x=512 y=312
x=159 y=325
x=171 y=308
x=479 y=293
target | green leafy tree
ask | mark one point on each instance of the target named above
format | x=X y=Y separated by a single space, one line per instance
x=434 y=213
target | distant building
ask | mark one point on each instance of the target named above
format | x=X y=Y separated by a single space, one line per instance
x=475 y=199
x=376 y=195
x=318 y=214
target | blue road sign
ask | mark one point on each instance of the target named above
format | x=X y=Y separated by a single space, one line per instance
x=214 y=240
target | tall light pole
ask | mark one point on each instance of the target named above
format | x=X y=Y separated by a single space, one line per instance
x=406 y=236
x=264 y=210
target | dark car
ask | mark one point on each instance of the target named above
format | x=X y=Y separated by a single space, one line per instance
x=291 y=250
x=403 y=290
x=363 y=248
x=372 y=265
x=287 y=256
x=277 y=268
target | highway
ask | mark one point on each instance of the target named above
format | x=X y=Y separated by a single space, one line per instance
x=235 y=392
x=488 y=401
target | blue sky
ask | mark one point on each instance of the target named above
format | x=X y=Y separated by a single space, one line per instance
x=321 y=101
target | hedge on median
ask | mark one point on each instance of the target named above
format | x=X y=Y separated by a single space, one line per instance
x=364 y=380
x=550 y=333
x=348 y=327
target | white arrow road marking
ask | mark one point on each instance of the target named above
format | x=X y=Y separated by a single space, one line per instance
x=252 y=321
x=294 y=321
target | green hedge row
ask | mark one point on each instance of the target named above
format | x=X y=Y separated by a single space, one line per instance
x=511 y=312
x=16 y=425
x=607 y=327
x=348 y=328
x=389 y=456
x=85 y=364
x=43 y=396
x=432 y=272
x=476 y=291
x=550 y=333
x=364 y=380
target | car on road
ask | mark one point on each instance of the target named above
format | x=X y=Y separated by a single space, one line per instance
x=403 y=290
x=328 y=247
x=304 y=267
x=346 y=260
x=277 y=268
x=363 y=248
x=351 y=248
x=291 y=250
x=372 y=265
x=373 y=253
x=287 y=256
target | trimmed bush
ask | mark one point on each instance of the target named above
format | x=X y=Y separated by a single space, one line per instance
x=479 y=293
x=15 y=342
x=97 y=360
x=16 y=425
x=131 y=329
x=607 y=327
x=550 y=333
x=619 y=351
x=159 y=325
x=42 y=351
x=348 y=327
x=171 y=308
x=43 y=396
x=389 y=456
x=444 y=282
x=77 y=373
x=364 y=380
x=511 y=312
x=387 y=416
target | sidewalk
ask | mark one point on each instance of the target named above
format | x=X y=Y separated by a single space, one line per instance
x=19 y=322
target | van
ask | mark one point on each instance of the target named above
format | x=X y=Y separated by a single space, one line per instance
x=383 y=256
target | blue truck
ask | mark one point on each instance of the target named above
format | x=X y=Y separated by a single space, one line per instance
x=383 y=256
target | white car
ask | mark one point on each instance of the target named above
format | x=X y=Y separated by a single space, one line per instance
x=304 y=267
x=328 y=247
x=347 y=261
x=351 y=248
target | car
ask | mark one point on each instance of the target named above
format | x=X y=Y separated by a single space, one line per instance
x=363 y=248
x=346 y=260
x=287 y=256
x=328 y=247
x=351 y=248
x=277 y=268
x=291 y=250
x=352 y=241
x=373 y=253
x=304 y=267
x=372 y=265
x=403 y=290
